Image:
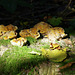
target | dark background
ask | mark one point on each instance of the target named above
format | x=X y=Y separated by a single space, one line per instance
x=26 y=13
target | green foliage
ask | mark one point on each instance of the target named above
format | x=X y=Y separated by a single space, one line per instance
x=4 y=42
x=14 y=60
x=31 y=40
x=55 y=21
x=46 y=46
x=11 y=5
x=31 y=72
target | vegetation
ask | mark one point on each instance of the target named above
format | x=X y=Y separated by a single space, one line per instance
x=4 y=42
x=31 y=40
x=18 y=58
x=25 y=14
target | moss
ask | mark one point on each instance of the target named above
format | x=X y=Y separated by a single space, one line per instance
x=18 y=58
x=31 y=40
x=4 y=42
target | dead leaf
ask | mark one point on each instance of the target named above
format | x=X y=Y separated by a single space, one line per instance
x=67 y=65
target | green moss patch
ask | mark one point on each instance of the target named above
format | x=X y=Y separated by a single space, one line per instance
x=18 y=58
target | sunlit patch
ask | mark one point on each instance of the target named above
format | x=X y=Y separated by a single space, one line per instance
x=8 y=32
x=32 y=32
x=56 y=33
x=46 y=30
x=9 y=35
x=19 y=41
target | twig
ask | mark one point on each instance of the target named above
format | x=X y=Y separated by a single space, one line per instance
x=69 y=13
x=66 y=6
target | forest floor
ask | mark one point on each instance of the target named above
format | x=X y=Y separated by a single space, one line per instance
x=13 y=55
